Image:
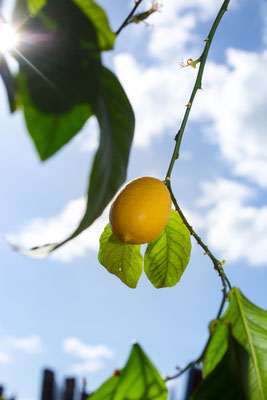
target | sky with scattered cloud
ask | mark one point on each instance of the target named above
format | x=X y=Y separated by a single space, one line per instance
x=221 y=180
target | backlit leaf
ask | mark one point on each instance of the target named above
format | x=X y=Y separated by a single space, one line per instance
x=58 y=55
x=167 y=256
x=139 y=379
x=120 y=259
x=35 y=5
x=98 y=17
x=249 y=327
x=217 y=346
x=116 y=120
x=50 y=132
x=9 y=83
x=229 y=378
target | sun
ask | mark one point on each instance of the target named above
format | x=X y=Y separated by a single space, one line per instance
x=8 y=37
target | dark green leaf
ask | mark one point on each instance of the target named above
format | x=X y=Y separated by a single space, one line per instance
x=59 y=57
x=228 y=381
x=120 y=259
x=139 y=379
x=50 y=132
x=116 y=119
x=167 y=256
x=249 y=327
x=217 y=346
x=99 y=19
x=9 y=83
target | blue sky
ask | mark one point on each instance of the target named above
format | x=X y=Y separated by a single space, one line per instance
x=67 y=312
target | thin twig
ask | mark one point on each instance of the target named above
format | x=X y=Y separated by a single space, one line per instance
x=202 y=60
x=125 y=22
x=216 y=263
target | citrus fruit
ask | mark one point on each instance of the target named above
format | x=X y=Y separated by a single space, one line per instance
x=141 y=211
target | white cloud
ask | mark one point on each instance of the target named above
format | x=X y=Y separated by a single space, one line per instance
x=29 y=344
x=174 y=26
x=92 y=357
x=234 y=100
x=41 y=230
x=158 y=95
x=4 y=357
x=231 y=106
x=235 y=230
x=88 y=138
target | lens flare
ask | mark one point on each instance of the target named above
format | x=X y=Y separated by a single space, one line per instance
x=8 y=37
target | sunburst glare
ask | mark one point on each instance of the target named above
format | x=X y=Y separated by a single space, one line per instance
x=8 y=37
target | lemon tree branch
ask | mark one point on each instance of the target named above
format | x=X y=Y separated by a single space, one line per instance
x=126 y=21
x=198 y=84
x=202 y=61
x=178 y=139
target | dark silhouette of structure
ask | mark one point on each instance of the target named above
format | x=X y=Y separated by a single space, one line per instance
x=50 y=389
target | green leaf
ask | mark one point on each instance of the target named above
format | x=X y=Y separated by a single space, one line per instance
x=229 y=379
x=120 y=259
x=9 y=83
x=98 y=17
x=50 y=132
x=116 y=119
x=58 y=55
x=249 y=327
x=35 y=6
x=139 y=379
x=167 y=256
x=217 y=346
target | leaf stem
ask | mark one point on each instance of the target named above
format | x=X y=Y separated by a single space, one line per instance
x=198 y=85
x=126 y=21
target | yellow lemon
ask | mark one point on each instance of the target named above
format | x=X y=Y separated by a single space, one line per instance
x=141 y=211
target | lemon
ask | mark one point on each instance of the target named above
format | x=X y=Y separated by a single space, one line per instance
x=141 y=211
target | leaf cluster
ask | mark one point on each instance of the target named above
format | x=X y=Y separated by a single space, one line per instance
x=62 y=82
x=165 y=260
x=234 y=363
